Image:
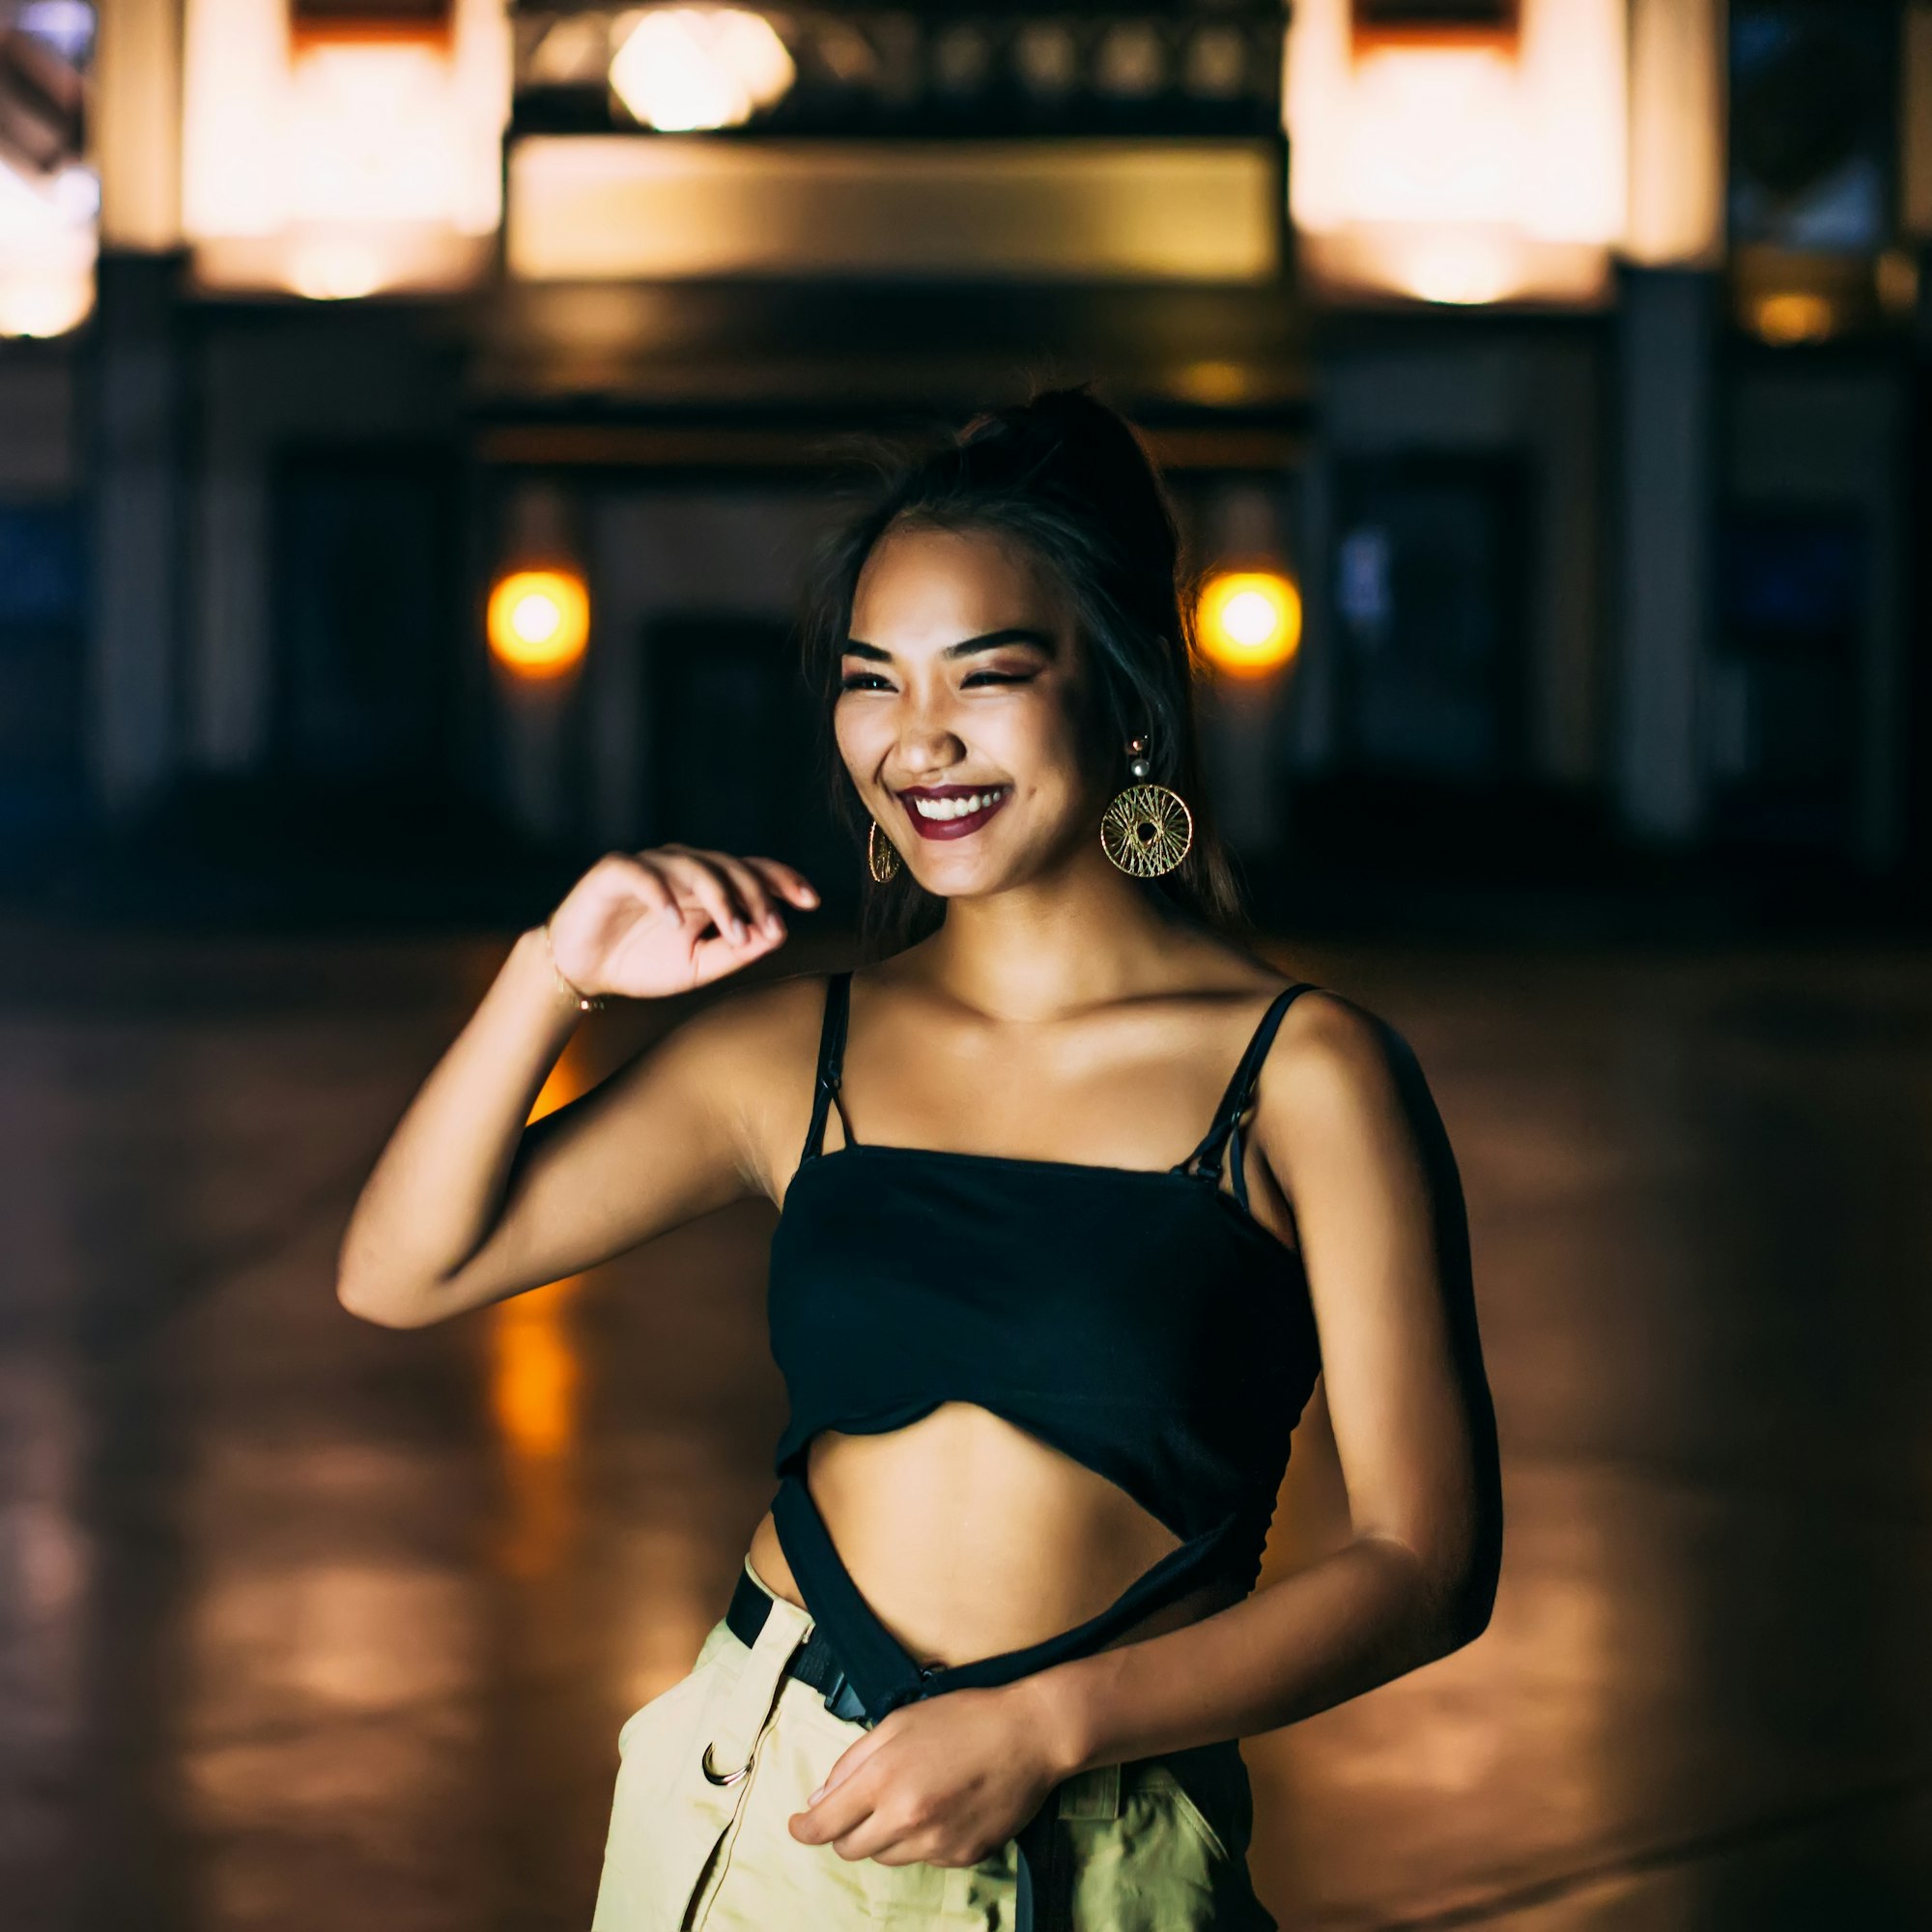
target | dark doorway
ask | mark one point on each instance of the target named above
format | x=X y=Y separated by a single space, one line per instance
x=1785 y=697
x=1431 y=573
x=43 y=776
x=1431 y=778
x=734 y=748
x=366 y=599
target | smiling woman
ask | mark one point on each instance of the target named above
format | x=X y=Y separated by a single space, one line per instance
x=1045 y=529
x=1048 y=1309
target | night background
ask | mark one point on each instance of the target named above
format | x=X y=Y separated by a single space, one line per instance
x=414 y=419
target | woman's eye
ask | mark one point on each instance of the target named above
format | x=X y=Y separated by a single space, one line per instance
x=871 y=680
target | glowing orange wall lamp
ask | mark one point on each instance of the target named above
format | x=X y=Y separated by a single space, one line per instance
x=1249 y=621
x=538 y=622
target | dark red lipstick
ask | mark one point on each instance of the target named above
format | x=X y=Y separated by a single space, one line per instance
x=960 y=827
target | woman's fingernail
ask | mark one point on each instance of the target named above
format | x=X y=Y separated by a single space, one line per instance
x=816 y=1795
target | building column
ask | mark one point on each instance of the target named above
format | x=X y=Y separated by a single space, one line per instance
x=1667 y=406
x=135 y=456
x=1667 y=473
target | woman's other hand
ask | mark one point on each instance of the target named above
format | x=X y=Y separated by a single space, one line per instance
x=650 y=923
x=945 y=1780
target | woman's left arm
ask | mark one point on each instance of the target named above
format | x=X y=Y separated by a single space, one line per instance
x=1347 y=1127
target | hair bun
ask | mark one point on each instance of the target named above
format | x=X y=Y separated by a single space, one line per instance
x=1071 y=439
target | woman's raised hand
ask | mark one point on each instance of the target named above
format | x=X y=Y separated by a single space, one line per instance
x=650 y=923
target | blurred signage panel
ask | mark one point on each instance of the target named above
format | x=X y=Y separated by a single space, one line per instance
x=354 y=160
x=49 y=191
x=1484 y=160
x=1211 y=68
x=612 y=206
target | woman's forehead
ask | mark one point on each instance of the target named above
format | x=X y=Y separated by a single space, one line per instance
x=936 y=585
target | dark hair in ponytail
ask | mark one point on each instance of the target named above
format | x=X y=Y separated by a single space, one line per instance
x=1067 y=477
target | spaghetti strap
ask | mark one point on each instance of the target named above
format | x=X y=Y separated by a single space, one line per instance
x=830 y=1060
x=1226 y=1131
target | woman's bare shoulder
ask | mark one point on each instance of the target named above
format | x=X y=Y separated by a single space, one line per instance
x=1335 y=1061
x=764 y=1027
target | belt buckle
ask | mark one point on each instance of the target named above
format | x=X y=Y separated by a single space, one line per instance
x=843 y=1701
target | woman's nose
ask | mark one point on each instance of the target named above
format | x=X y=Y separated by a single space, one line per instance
x=927 y=740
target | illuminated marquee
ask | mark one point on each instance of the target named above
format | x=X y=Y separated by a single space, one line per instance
x=1459 y=151
x=895 y=143
x=340 y=149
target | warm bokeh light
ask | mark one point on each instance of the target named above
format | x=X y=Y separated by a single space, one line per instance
x=1895 y=278
x=685 y=69
x=1794 y=315
x=334 y=268
x=539 y=621
x=46 y=251
x=1250 y=621
x=536 y=1387
x=533 y=1371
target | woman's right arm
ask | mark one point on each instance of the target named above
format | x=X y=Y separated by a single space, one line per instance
x=466 y=1205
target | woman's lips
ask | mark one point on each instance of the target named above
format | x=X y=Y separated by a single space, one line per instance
x=952 y=828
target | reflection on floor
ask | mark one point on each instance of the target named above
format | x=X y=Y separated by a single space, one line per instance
x=306 y=1624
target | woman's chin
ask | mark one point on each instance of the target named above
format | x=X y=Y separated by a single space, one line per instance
x=984 y=878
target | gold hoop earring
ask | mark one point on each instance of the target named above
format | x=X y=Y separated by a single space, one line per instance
x=883 y=864
x=1147 y=829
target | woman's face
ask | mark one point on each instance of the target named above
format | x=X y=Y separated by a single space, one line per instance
x=962 y=687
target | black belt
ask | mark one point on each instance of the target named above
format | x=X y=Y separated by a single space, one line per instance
x=813 y=1663
x=1044 y=1872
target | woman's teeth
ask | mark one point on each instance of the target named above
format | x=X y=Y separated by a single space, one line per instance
x=958 y=808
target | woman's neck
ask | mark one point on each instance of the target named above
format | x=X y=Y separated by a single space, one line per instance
x=1085 y=937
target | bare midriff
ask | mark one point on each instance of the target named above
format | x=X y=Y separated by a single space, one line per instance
x=970 y=1537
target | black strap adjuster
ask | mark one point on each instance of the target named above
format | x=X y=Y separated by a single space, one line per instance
x=813 y=1662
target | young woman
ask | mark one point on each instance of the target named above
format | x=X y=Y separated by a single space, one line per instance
x=1076 y=1197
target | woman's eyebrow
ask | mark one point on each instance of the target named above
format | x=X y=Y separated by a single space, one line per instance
x=1017 y=635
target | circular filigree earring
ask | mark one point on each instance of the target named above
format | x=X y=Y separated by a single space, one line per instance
x=1147 y=829
x=882 y=856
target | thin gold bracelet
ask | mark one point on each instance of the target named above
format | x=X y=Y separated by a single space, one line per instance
x=586 y=1002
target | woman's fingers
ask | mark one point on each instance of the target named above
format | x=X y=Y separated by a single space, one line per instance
x=713 y=957
x=756 y=884
x=711 y=887
x=754 y=895
x=786 y=879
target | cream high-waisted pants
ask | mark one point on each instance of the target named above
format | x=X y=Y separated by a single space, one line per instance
x=685 y=1852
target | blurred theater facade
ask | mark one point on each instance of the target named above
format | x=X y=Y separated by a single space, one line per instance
x=413 y=413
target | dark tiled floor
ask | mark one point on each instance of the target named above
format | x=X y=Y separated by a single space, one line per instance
x=306 y=1624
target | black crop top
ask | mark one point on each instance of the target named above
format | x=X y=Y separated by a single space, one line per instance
x=1141 y=1321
